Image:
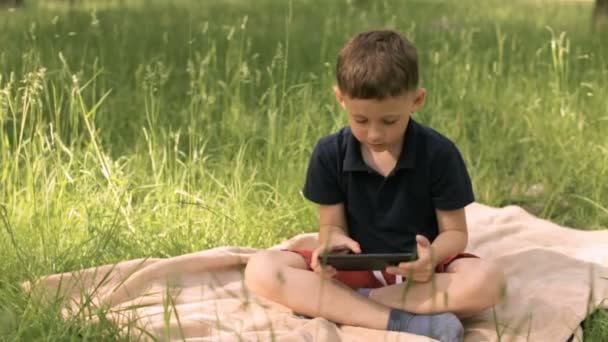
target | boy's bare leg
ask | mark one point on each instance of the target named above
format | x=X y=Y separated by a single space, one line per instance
x=470 y=285
x=283 y=277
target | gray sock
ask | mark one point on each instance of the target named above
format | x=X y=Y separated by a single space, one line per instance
x=445 y=327
x=364 y=291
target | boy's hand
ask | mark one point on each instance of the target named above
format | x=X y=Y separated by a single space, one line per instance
x=420 y=270
x=337 y=243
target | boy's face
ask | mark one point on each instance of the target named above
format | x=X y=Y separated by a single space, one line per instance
x=380 y=124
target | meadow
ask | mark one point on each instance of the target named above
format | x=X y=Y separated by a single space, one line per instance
x=157 y=128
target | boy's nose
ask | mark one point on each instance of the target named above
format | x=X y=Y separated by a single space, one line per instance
x=374 y=136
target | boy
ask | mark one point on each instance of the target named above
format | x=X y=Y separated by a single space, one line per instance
x=384 y=184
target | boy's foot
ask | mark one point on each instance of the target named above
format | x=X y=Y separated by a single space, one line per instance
x=445 y=327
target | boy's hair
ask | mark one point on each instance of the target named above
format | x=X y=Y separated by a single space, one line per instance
x=376 y=65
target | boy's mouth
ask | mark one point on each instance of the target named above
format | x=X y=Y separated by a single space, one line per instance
x=376 y=146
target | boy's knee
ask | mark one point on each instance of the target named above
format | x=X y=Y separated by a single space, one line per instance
x=263 y=273
x=490 y=284
x=256 y=271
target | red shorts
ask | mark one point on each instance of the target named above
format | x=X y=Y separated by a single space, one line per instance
x=369 y=279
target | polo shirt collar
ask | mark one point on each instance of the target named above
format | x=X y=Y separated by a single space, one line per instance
x=353 y=160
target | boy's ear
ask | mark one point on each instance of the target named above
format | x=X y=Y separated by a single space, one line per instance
x=419 y=97
x=339 y=96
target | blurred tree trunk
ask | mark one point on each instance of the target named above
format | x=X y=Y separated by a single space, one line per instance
x=11 y=3
x=600 y=15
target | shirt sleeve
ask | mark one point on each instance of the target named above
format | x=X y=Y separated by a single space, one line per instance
x=322 y=184
x=451 y=185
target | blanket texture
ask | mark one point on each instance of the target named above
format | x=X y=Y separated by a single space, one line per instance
x=556 y=277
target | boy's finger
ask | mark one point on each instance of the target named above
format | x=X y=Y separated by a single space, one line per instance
x=315 y=256
x=328 y=272
x=318 y=267
x=337 y=248
x=314 y=262
x=397 y=270
x=354 y=246
x=408 y=265
x=423 y=241
x=317 y=261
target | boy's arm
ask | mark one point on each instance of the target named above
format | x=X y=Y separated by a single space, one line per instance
x=453 y=234
x=331 y=221
x=332 y=233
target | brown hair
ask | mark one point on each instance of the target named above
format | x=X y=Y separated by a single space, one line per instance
x=376 y=65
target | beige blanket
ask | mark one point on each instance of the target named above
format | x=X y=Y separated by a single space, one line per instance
x=556 y=277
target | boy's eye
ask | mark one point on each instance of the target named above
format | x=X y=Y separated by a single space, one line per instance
x=390 y=122
x=360 y=121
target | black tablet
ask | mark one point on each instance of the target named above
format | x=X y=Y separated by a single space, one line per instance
x=365 y=262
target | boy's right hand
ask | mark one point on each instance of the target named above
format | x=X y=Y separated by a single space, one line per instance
x=337 y=243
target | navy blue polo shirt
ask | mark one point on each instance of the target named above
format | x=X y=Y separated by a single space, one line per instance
x=384 y=214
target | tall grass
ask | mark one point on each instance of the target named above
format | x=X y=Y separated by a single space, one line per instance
x=152 y=128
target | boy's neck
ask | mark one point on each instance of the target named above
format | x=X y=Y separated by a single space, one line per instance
x=393 y=151
x=384 y=162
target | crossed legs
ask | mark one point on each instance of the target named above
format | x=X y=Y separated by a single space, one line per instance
x=469 y=286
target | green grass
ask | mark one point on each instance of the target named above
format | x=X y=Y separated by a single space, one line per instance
x=158 y=128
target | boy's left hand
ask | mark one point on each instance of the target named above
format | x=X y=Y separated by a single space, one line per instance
x=420 y=270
